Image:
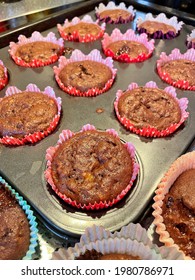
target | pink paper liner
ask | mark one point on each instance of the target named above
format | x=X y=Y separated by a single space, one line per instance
x=75 y=35
x=77 y=55
x=152 y=131
x=4 y=81
x=39 y=135
x=183 y=163
x=128 y=36
x=112 y=6
x=160 y=18
x=189 y=42
x=175 y=55
x=36 y=36
x=64 y=136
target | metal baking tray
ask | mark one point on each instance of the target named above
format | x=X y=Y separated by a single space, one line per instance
x=23 y=167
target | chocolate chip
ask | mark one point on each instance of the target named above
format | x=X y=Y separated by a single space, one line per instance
x=170 y=202
x=182 y=227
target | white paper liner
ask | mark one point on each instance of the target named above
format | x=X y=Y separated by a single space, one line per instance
x=162 y=18
x=180 y=165
x=36 y=36
x=191 y=37
x=77 y=55
x=36 y=136
x=75 y=21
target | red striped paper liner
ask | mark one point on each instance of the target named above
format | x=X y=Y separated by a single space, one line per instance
x=35 y=37
x=77 y=55
x=129 y=35
x=75 y=36
x=4 y=81
x=38 y=135
x=112 y=6
x=175 y=55
x=152 y=131
x=180 y=165
x=162 y=18
x=64 y=136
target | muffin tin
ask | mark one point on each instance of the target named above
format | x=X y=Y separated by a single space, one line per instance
x=23 y=167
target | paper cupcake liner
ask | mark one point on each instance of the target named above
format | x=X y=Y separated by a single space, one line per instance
x=112 y=6
x=128 y=36
x=75 y=36
x=183 y=163
x=77 y=55
x=163 y=19
x=190 y=44
x=4 y=81
x=39 y=135
x=175 y=55
x=152 y=131
x=64 y=136
x=31 y=219
x=36 y=36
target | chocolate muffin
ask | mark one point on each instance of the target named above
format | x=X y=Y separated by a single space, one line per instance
x=85 y=75
x=26 y=112
x=83 y=29
x=38 y=50
x=132 y=48
x=94 y=255
x=153 y=26
x=14 y=229
x=180 y=70
x=149 y=107
x=178 y=212
x=83 y=167
x=115 y=15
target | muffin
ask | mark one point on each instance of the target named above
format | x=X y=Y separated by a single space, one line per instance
x=85 y=30
x=83 y=172
x=131 y=242
x=28 y=116
x=178 y=69
x=159 y=27
x=3 y=75
x=127 y=47
x=150 y=111
x=37 y=50
x=115 y=14
x=190 y=42
x=85 y=75
x=18 y=232
x=174 y=215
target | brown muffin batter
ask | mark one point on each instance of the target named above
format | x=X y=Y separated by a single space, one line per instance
x=94 y=255
x=14 y=229
x=2 y=74
x=83 y=28
x=84 y=168
x=26 y=112
x=132 y=48
x=179 y=212
x=115 y=14
x=180 y=69
x=153 y=26
x=84 y=75
x=152 y=107
x=39 y=50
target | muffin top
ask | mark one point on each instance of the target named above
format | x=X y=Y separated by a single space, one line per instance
x=149 y=107
x=2 y=74
x=84 y=169
x=153 y=26
x=38 y=50
x=132 y=48
x=115 y=14
x=180 y=69
x=94 y=255
x=83 y=28
x=14 y=229
x=84 y=75
x=26 y=112
x=178 y=212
